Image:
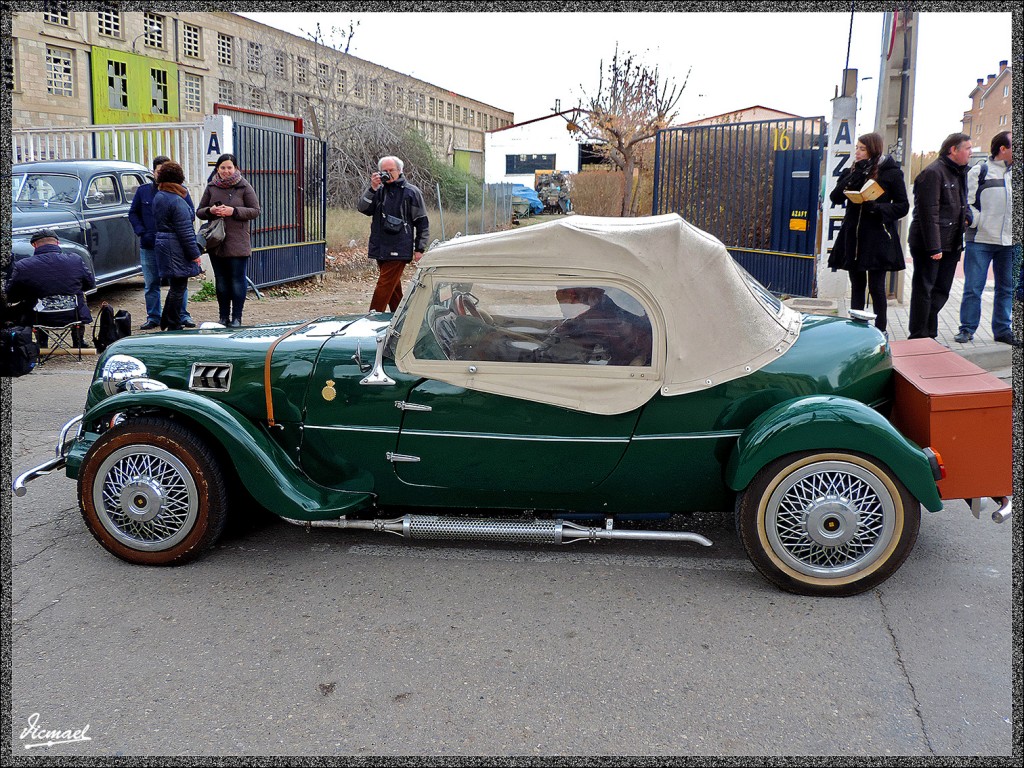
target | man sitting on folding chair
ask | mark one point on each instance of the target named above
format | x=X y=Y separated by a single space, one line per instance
x=49 y=274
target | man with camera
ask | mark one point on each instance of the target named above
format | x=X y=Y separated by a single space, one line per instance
x=399 y=229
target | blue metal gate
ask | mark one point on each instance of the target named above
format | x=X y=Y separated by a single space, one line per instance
x=288 y=172
x=755 y=186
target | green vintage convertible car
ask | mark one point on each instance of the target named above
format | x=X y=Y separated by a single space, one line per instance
x=540 y=385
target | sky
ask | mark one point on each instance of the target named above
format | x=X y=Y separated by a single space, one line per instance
x=793 y=62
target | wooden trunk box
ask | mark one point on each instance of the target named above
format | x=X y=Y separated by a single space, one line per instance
x=949 y=404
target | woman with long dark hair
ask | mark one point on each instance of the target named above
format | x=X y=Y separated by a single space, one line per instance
x=177 y=252
x=868 y=244
x=230 y=197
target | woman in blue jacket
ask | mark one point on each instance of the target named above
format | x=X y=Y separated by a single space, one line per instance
x=177 y=251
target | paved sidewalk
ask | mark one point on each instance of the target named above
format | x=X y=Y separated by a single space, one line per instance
x=984 y=351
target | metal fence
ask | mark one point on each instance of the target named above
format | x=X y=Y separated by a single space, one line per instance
x=287 y=171
x=754 y=186
x=183 y=142
x=491 y=214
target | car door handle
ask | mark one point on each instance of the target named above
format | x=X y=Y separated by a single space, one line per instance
x=404 y=406
x=395 y=457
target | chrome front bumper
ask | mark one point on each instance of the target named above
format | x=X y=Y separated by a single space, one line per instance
x=57 y=462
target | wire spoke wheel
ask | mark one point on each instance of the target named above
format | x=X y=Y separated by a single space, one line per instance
x=147 y=499
x=827 y=523
x=152 y=492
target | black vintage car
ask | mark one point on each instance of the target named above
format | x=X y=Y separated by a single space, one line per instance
x=86 y=202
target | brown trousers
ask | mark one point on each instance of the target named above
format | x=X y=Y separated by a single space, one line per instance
x=388 y=292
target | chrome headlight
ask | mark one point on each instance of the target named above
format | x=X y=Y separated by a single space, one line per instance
x=119 y=369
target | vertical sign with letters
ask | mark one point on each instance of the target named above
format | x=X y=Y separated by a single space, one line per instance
x=842 y=135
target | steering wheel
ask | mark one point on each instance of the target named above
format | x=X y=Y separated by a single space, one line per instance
x=467 y=305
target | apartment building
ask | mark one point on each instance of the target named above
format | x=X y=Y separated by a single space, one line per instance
x=991 y=109
x=74 y=68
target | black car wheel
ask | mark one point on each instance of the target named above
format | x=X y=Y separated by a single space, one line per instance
x=827 y=524
x=152 y=493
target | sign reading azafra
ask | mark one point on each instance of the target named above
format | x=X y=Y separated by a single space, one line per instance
x=842 y=131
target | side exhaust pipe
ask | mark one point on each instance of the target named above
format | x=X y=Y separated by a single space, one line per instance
x=510 y=530
x=1001 y=514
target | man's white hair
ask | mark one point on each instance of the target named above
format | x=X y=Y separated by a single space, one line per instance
x=392 y=158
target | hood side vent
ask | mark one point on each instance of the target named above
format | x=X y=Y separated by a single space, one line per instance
x=210 y=377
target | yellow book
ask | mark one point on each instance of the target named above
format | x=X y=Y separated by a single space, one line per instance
x=871 y=190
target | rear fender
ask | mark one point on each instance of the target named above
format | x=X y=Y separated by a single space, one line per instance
x=827 y=422
x=263 y=467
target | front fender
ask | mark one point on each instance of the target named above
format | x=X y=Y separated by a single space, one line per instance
x=264 y=468
x=827 y=422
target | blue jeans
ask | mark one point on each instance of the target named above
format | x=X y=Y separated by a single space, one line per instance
x=976 y=263
x=151 y=278
x=231 y=286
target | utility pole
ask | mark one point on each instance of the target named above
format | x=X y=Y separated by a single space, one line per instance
x=894 y=113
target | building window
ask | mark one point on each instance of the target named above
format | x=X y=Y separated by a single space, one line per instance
x=59 y=73
x=159 y=91
x=226 y=92
x=357 y=88
x=254 y=58
x=192 y=93
x=225 y=45
x=62 y=18
x=448 y=111
x=977 y=131
x=323 y=76
x=280 y=67
x=117 y=84
x=283 y=101
x=1002 y=119
x=981 y=104
x=108 y=23
x=1006 y=91
x=374 y=90
x=342 y=84
x=191 y=41
x=154 y=30
x=301 y=70
x=255 y=97
x=528 y=163
x=432 y=106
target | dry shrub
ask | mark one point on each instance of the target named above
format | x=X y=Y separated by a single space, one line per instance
x=597 y=193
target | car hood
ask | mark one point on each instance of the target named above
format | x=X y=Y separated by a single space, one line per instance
x=26 y=219
x=234 y=365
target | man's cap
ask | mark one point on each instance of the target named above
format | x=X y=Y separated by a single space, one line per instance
x=41 y=233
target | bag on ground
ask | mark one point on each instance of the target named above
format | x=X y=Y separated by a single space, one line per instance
x=110 y=326
x=19 y=352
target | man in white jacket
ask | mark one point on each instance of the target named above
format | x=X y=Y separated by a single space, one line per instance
x=989 y=242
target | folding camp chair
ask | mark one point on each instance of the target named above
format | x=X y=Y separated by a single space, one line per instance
x=56 y=319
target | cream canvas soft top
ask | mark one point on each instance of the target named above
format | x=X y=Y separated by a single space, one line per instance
x=711 y=321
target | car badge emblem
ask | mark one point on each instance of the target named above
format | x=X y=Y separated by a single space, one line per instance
x=328 y=391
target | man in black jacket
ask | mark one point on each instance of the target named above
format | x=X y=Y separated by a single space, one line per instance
x=399 y=229
x=937 y=233
x=50 y=271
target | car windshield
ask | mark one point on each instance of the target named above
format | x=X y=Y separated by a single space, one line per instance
x=45 y=188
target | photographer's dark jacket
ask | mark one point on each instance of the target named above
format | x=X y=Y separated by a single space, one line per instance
x=940 y=208
x=869 y=237
x=401 y=200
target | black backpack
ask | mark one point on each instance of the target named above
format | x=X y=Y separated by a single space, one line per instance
x=19 y=352
x=110 y=326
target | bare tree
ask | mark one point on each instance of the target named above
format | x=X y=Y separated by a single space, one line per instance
x=630 y=108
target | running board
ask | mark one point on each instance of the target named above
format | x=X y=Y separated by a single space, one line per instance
x=511 y=530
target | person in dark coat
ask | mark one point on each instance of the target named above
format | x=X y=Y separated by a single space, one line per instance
x=399 y=229
x=140 y=216
x=868 y=244
x=230 y=197
x=937 y=233
x=177 y=251
x=49 y=271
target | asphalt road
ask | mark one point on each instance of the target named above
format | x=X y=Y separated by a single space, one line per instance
x=285 y=642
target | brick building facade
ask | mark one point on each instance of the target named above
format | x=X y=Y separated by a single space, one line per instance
x=76 y=68
x=991 y=110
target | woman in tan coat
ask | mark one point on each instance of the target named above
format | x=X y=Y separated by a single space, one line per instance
x=230 y=197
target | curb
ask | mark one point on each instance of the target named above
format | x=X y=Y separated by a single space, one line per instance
x=991 y=357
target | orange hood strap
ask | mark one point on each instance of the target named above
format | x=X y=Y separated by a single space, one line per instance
x=266 y=368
